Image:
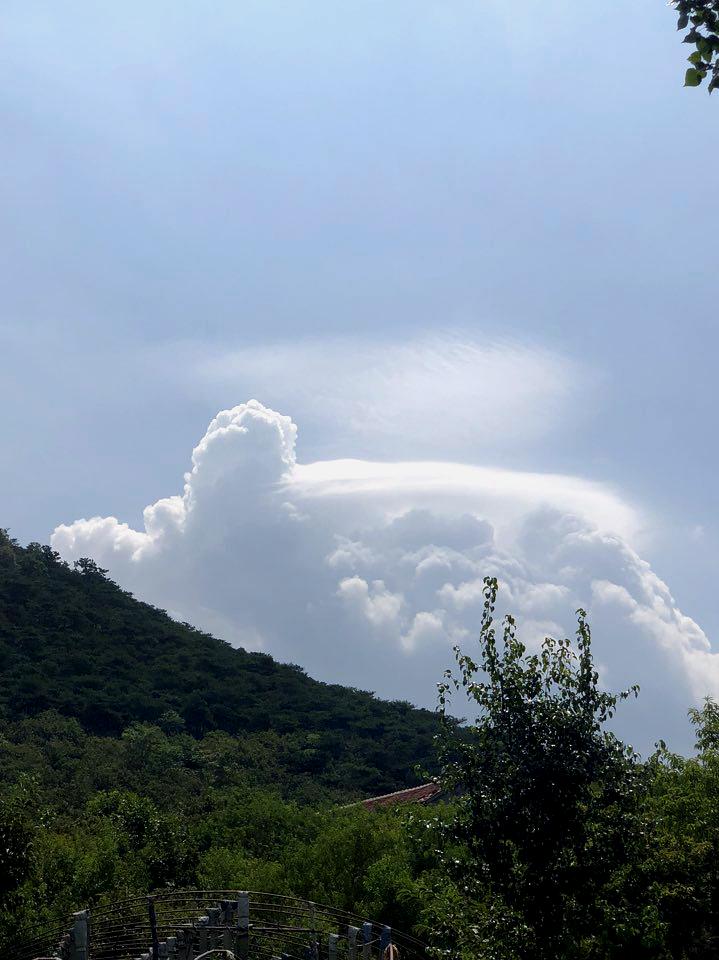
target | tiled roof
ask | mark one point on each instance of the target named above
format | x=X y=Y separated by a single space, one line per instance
x=422 y=794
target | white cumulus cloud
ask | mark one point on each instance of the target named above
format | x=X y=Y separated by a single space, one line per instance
x=368 y=572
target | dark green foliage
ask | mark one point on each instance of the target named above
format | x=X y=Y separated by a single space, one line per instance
x=700 y=20
x=549 y=815
x=16 y=834
x=73 y=642
x=123 y=844
x=684 y=865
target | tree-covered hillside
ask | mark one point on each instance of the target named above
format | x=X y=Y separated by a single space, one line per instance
x=73 y=643
x=137 y=752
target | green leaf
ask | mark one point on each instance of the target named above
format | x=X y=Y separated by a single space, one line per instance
x=692 y=78
x=683 y=21
x=696 y=58
x=705 y=49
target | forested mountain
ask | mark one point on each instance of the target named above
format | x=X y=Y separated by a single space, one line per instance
x=137 y=753
x=73 y=643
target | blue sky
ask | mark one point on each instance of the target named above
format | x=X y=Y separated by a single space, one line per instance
x=325 y=205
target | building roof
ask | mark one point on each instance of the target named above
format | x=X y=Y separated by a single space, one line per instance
x=422 y=794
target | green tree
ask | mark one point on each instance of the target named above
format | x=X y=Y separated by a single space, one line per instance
x=17 y=832
x=700 y=20
x=684 y=862
x=537 y=859
x=19 y=828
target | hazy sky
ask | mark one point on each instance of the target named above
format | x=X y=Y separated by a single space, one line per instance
x=432 y=231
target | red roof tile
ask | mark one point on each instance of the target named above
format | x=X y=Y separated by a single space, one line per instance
x=422 y=794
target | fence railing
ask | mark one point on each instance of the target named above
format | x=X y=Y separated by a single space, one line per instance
x=216 y=924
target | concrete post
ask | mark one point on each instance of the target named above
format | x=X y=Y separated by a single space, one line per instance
x=366 y=941
x=81 y=935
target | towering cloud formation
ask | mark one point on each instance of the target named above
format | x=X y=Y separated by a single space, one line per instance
x=367 y=573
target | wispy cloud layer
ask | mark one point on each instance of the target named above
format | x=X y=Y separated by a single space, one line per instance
x=449 y=392
x=368 y=572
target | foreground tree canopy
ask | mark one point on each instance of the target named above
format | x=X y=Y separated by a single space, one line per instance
x=548 y=815
x=700 y=20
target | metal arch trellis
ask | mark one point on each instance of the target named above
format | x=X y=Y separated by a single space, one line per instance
x=219 y=925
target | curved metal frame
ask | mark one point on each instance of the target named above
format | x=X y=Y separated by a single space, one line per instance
x=239 y=925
